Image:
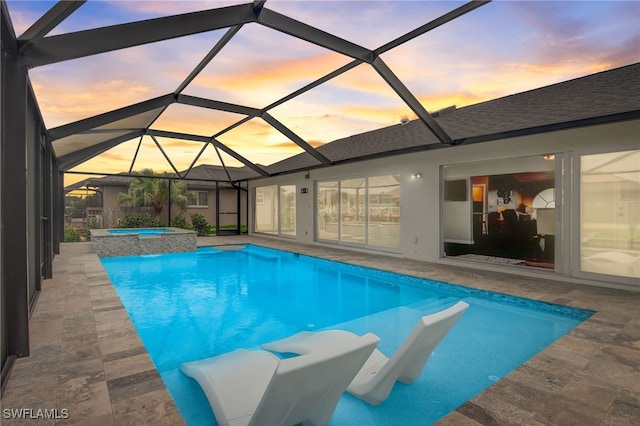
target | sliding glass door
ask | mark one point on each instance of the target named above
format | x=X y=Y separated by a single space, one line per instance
x=359 y=211
x=275 y=210
x=288 y=210
x=501 y=211
x=610 y=213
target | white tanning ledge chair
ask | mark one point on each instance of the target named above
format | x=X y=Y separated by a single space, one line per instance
x=375 y=380
x=257 y=388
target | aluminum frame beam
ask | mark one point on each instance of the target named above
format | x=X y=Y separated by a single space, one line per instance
x=16 y=221
x=226 y=38
x=7 y=35
x=405 y=94
x=233 y=17
x=447 y=17
x=58 y=13
x=166 y=157
x=69 y=161
x=300 y=30
x=206 y=140
x=218 y=105
x=79 y=44
x=239 y=157
x=295 y=138
x=110 y=117
x=315 y=83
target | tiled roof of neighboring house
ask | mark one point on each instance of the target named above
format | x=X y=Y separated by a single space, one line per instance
x=207 y=172
x=571 y=103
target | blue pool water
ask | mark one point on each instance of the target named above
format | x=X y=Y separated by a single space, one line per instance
x=189 y=306
x=141 y=231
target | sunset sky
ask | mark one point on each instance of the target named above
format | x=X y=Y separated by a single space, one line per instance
x=501 y=48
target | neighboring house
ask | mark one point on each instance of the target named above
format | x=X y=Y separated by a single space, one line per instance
x=210 y=194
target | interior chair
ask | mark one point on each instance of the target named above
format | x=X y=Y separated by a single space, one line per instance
x=254 y=387
x=376 y=379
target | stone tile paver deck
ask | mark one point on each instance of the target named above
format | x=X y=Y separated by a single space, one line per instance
x=88 y=363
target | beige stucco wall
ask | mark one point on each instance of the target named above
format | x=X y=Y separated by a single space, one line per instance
x=228 y=203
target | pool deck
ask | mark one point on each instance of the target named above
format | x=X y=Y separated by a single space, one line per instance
x=87 y=360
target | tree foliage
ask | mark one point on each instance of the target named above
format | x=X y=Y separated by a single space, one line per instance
x=75 y=206
x=154 y=192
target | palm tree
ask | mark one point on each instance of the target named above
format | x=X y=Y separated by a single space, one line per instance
x=154 y=192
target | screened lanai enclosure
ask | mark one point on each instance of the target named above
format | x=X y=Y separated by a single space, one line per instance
x=224 y=95
x=191 y=117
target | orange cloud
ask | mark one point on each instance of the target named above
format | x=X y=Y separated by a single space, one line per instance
x=288 y=71
x=195 y=120
x=66 y=102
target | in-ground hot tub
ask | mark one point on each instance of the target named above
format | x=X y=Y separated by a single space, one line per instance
x=132 y=241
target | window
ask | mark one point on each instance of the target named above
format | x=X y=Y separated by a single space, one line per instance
x=197 y=198
x=363 y=211
x=455 y=190
x=545 y=199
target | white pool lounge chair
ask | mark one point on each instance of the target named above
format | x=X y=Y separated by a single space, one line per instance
x=374 y=382
x=257 y=388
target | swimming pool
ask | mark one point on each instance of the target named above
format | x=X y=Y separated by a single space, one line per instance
x=188 y=306
x=140 y=231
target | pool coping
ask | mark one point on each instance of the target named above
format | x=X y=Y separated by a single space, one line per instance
x=87 y=358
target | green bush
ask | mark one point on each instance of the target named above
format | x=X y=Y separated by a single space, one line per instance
x=179 y=222
x=93 y=224
x=71 y=234
x=200 y=224
x=131 y=221
x=137 y=220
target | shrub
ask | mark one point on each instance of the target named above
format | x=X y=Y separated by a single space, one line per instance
x=179 y=222
x=200 y=224
x=131 y=221
x=71 y=234
x=137 y=220
x=94 y=223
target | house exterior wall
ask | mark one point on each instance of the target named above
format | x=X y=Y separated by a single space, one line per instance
x=110 y=204
x=228 y=204
x=421 y=224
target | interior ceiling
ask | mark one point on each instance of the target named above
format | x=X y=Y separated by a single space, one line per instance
x=189 y=120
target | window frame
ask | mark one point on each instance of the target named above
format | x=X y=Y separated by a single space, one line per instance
x=196 y=194
x=366 y=197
